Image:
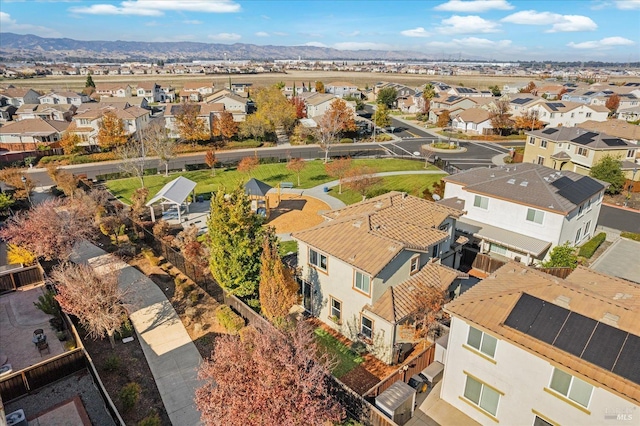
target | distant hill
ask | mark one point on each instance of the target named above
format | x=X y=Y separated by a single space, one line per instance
x=31 y=46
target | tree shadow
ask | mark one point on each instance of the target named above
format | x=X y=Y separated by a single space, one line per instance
x=319 y=177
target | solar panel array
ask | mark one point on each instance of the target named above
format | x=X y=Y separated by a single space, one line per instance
x=614 y=142
x=550 y=131
x=520 y=101
x=465 y=90
x=553 y=106
x=608 y=347
x=585 y=138
x=577 y=191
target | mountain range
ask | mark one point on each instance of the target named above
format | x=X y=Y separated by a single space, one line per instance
x=18 y=46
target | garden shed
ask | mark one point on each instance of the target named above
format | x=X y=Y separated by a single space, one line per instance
x=173 y=197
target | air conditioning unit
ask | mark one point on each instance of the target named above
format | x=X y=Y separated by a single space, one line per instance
x=17 y=418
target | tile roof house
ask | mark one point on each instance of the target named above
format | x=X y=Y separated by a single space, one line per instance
x=18 y=96
x=526 y=347
x=113 y=89
x=28 y=134
x=56 y=98
x=577 y=149
x=60 y=112
x=361 y=268
x=473 y=120
x=568 y=114
x=342 y=89
x=88 y=121
x=206 y=112
x=522 y=211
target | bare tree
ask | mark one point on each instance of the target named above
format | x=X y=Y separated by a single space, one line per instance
x=361 y=179
x=155 y=138
x=94 y=298
x=428 y=153
x=133 y=156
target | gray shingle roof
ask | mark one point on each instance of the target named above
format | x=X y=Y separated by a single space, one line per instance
x=578 y=135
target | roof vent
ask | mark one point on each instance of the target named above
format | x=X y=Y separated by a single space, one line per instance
x=357 y=223
x=524 y=183
x=378 y=205
x=508 y=169
x=621 y=296
x=546 y=179
x=493 y=175
x=562 y=301
x=511 y=181
x=392 y=248
x=610 y=319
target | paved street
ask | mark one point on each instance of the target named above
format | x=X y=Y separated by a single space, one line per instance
x=621 y=260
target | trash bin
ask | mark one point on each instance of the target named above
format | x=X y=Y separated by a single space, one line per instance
x=326 y=189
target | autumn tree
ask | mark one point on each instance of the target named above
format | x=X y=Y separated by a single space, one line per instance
x=255 y=126
x=338 y=119
x=357 y=99
x=381 y=116
x=444 y=119
x=289 y=386
x=64 y=180
x=319 y=87
x=429 y=302
x=155 y=140
x=111 y=133
x=612 y=103
x=528 y=121
x=95 y=299
x=70 y=140
x=427 y=153
x=224 y=126
x=133 y=158
x=387 y=96
x=278 y=288
x=301 y=108
x=192 y=248
x=428 y=93
x=500 y=117
x=189 y=126
x=12 y=176
x=528 y=88
x=248 y=164
x=50 y=229
x=437 y=189
x=138 y=203
x=296 y=165
x=361 y=179
x=235 y=242
x=210 y=160
x=609 y=169
x=274 y=110
x=338 y=169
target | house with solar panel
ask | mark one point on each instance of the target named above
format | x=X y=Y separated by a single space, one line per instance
x=522 y=211
x=568 y=114
x=362 y=270
x=528 y=348
x=576 y=149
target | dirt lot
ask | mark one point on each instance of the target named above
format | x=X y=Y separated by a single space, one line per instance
x=295 y=213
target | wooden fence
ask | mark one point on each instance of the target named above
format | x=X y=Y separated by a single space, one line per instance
x=15 y=278
x=411 y=366
x=557 y=272
x=487 y=263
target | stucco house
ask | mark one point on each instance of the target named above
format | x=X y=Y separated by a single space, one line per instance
x=73 y=98
x=29 y=134
x=88 y=121
x=342 y=89
x=568 y=114
x=522 y=211
x=113 y=89
x=60 y=112
x=18 y=96
x=235 y=104
x=361 y=269
x=195 y=91
x=151 y=91
x=527 y=348
x=473 y=120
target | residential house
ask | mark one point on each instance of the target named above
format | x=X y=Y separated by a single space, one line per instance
x=30 y=134
x=528 y=348
x=124 y=102
x=617 y=128
x=319 y=104
x=568 y=114
x=468 y=92
x=550 y=92
x=522 y=211
x=60 y=112
x=118 y=90
x=300 y=88
x=61 y=98
x=235 y=104
x=361 y=268
x=196 y=91
x=88 y=121
x=241 y=88
x=151 y=91
x=342 y=89
x=454 y=104
x=473 y=120
x=18 y=96
x=629 y=114
x=7 y=113
x=577 y=149
x=520 y=103
x=206 y=112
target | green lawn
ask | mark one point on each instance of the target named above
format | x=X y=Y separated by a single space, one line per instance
x=312 y=175
x=345 y=358
x=286 y=247
x=411 y=184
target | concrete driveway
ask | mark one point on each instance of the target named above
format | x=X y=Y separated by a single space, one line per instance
x=621 y=259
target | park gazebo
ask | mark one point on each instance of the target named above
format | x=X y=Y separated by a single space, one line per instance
x=257 y=192
x=174 y=194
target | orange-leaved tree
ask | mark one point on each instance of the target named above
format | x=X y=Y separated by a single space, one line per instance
x=248 y=164
x=224 y=127
x=70 y=140
x=338 y=119
x=612 y=103
x=210 y=159
x=190 y=127
x=338 y=169
x=361 y=179
x=111 y=133
x=278 y=288
x=296 y=165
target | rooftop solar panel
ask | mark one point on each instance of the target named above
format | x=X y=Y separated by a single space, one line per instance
x=604 y=346
x=575 y=334
x=524 y=313
x=627 y=364
x=585 y=138
x=548 y=323
x=552 y=107
x=550 y=131
x=520 y=101
x=614 y=142
x=578 y=191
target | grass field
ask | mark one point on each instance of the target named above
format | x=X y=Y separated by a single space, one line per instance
x=313 y=174
x=346 y=360
x=411 y=184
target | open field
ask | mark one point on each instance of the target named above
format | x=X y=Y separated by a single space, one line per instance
x=411 y=184
x=361 y=79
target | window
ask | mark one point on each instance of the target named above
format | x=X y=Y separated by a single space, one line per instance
x=498 y=249
x=482 y=342
x=535 y=216
x=581 y=151
x=586 y=229
x=362 y=282
x=573 y=114
x=415 y=265
x=552 y=115
x=571 y=387
x=543 y=144
x=532 y=140
x=540 y=160
x=588 y=114
x=580 y=209
x=435 y=252
x=631 y=153
x=578 y=235
x=541 y=422
x=336 y=309
x=482 y=202
x=366 y=327
x=318 y=260
x=481 y=395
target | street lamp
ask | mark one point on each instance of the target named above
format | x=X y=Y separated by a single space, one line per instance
x=24 y=182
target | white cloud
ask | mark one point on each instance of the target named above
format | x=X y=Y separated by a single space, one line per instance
x=605 y=43
x=351 y=34
x=12 y=26
x=473 y=42
x=192 y=22
x=628 y=4
x=225 y=36
x=559 y=23
x=315 y=44
x=262 y=34
x=158 y=7
x=353 y=45
x=474 y=6
x=415 y=32
x=467 y=25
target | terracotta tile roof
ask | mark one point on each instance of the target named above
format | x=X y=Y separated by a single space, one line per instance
x=588 y=293
x=16 y=92
x=206 y=109
x=147 y=85
x=320 y=98
x=474 y=115
x=398 y=302
x=340 y=84
x=618 y=128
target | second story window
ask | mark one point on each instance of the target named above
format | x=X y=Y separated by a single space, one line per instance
x=481 y=202
x=415 y=265
x=571 y=387
x=582 y=151
x=631 y=153
x=362 y=282
x=482 y=342
x=318 y=260
x=543 y=144
x=535 y=216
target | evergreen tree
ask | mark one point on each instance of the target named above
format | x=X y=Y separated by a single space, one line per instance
x=89 y=82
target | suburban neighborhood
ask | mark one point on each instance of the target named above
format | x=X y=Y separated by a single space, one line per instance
x=415 y=226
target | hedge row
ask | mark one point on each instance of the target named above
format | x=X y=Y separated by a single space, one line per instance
x=630 y=235
x=592 y=245
x=231 y=321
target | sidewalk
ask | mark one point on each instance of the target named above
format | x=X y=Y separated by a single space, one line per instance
x=171 y=355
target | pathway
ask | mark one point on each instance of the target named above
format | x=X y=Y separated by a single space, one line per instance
x=171 y=355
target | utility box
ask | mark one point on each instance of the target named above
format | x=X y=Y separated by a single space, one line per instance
x=397 y=402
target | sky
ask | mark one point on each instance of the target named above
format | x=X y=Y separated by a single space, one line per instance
x=576 y=30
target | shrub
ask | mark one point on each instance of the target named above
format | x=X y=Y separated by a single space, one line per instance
x=129 y=395
x=630 y=235
x=359 y=348
x=152 y=420
x=148 y=254
x=48 y=304
x=112 y=363
x=194 y=297
x=70 y=345
x=346 y=140
x=231 y=321
x=126 y=329
x=592 y=245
